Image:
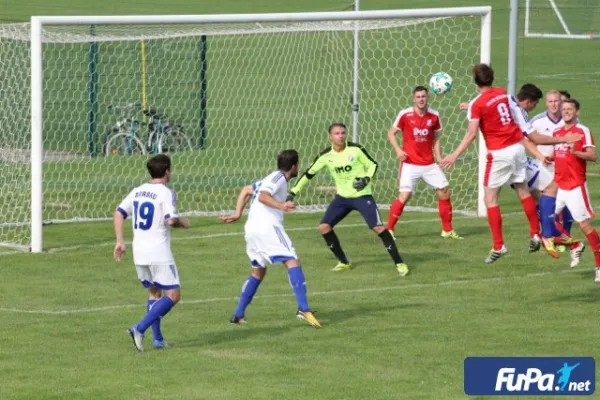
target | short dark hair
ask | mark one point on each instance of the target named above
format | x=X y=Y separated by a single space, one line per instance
x=572 y=101
x=158 y=166
x=530 y=92
x=420 y=88
x=483 y=75
x=336 y=124
x=565 y=93
x=286 y=159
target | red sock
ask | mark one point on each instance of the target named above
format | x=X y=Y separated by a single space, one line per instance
x=495 y=221
x=445 y=210
x=594 y=241
x=532 y=215
x=564 y=235
x=395 y=213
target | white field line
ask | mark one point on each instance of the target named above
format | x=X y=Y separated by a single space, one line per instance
x=566 y=75
x=322 y=293
x=227 y=234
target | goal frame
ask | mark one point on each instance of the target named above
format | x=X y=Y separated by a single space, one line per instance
x=37 y=71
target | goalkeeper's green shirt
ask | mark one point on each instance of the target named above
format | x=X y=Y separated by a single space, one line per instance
x=344 y=166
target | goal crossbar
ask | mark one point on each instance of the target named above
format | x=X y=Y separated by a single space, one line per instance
x=264 y=17
x=37 y=69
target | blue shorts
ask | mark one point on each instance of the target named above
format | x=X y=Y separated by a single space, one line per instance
x=341 y=206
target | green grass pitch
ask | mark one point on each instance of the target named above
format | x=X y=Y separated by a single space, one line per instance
x=65 y=312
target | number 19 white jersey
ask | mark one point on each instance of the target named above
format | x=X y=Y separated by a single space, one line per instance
x=150 y=206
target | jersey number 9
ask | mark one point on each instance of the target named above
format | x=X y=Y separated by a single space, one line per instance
x=143 y=215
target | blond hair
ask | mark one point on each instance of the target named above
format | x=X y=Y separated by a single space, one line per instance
x=553 y=91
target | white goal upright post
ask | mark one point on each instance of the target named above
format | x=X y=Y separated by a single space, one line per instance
x=227 y=92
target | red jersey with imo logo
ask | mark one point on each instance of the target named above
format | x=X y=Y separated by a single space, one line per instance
x=418 y=132
x=498 y=128
x=570 y=170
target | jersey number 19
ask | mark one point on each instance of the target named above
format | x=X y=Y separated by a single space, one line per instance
x=143 y=214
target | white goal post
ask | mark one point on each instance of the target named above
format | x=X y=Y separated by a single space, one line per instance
x=244 y=86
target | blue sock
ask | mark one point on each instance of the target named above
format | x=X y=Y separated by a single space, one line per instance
x=547 y=205
x=567 y=220
x=299 y=286
x=248 y=290
x=156 y=324
x=159 y=310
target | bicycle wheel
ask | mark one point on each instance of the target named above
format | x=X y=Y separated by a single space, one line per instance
x=174 y=140
x=123 y=144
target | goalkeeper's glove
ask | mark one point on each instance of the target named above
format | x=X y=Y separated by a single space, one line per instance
x=361 y=183
x=290 y=197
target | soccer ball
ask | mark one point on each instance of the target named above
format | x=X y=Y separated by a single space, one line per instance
x=440 y=83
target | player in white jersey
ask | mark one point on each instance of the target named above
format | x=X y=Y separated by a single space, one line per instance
x=540 y=174
x=153 y=211
x=266 y=240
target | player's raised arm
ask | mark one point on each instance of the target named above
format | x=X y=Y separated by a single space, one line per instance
x=469 y=137
x=368 y=161
x=315 y=167
x=243 y=198
x=588 y=151
x=268 y=200
x=534 y=151
x=588 y=154
x=569 y=138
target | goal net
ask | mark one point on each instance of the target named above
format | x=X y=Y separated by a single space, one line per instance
x=562 y=19
x=222 y=99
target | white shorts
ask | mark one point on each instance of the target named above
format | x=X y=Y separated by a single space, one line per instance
x=431 y=174
x=268 y=244
x=577 y=201
x=505 y=166
x=164 y=277
x=538 y=176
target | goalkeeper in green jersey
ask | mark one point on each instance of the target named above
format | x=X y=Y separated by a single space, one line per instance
x=352 y=170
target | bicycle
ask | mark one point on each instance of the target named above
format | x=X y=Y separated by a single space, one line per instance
x=123 y=137
x=164 y=137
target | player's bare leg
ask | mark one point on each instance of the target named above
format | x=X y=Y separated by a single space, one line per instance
x=334 y=245
x=531 y=213
x=445 y=211
x=390 y=246
x=249 y=288
x=594 y=240
x=495 y=222
x=396 y=211
x=298 y=284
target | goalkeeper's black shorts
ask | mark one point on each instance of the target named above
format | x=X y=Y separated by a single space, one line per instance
x=341 y=206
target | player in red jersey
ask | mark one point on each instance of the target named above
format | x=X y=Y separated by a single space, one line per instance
x=506 y=160
x=420 y=127
x=570 y=162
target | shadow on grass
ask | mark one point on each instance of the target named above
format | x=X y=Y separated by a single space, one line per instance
x=370 y=310
x=234 y=333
